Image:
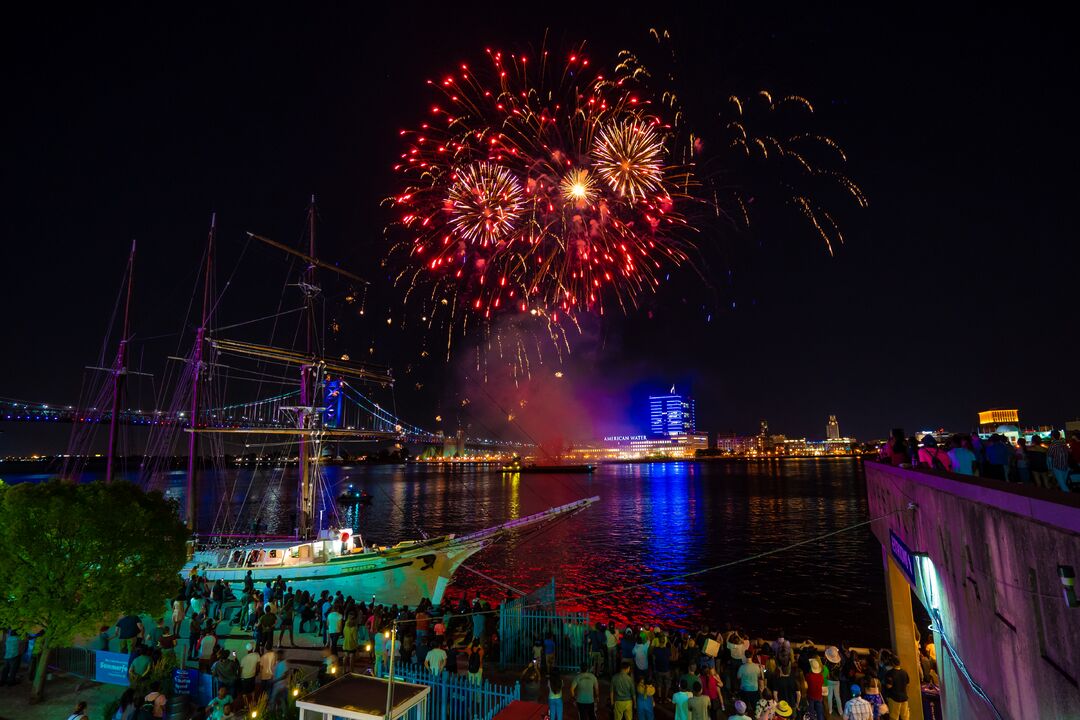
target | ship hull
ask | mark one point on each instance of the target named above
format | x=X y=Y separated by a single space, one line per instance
x=402 y=578
x=403 y=574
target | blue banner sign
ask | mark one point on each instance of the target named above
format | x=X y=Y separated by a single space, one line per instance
x=903 y=556
x=185 y=682
x=111 y=668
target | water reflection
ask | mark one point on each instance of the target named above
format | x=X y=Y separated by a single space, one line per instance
x=653 y=521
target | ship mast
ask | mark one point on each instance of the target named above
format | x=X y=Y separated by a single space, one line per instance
x=120 y=371
x=305 y=413
x=196 y=373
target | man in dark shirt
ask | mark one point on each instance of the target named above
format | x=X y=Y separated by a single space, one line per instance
x=194 y=633
x=662 y=666
x=782 y=682
x=597 y=648
x=217 y=599
x=127 y=629
x=266 y=626
x=896 y=685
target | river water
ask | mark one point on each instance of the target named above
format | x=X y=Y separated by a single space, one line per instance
x=653 y=521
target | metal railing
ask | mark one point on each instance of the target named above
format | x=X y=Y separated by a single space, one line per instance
x=77 y=661
x=458 y=697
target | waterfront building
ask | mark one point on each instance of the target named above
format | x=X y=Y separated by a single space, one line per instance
x=684 y=446
x=1000 y=421
x=795 y=446
x=680 y=446
x=732 y=444
x=989 y=420
x=832 y=429
x=671 y=414
x=775 y=442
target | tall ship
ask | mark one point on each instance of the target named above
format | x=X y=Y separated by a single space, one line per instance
x=299 y=411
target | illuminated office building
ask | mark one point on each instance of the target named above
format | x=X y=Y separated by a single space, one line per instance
x=671 y=415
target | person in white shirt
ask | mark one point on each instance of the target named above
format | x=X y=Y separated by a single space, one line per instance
x=267 y=661
x=435 y=660
x=249 y=666
x=334 y=621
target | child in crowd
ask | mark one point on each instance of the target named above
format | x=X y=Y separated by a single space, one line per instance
x=872 y=695
x=645 y=693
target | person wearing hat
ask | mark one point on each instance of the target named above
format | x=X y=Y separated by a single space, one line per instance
x=784 y=710
x=815 y=688
x=740 y=711
x=832 y=680
x=857 y=708
x=933 y=457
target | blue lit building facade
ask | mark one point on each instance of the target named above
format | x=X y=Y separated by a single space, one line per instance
x=671 y=415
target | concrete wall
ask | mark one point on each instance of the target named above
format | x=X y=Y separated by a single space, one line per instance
x=995 y=550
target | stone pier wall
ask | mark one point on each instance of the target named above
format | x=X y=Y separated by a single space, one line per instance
x=986 y=554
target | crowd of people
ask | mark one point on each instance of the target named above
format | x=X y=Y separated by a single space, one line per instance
x=344 y=630
x=706 y=675
x=700 y=676
x=1054 y=463
x=703 y=675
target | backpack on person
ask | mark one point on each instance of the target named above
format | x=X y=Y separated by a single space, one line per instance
x=935 y=459
x=474 y=662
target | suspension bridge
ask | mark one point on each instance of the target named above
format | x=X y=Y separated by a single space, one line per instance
x=345 y=411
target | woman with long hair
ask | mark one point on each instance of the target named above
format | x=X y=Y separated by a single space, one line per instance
x=350 y=641
x=555 y=687
x=127 y=706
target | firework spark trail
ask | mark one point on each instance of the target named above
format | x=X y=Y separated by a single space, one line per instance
x=539 y=187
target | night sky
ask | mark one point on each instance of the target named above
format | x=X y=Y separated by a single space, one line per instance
x=955 y=291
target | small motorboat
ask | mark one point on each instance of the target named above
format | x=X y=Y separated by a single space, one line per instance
x=352 y=496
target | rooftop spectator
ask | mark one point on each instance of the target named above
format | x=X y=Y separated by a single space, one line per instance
x=963 y=460
x=1057 y=460
x=933 y=457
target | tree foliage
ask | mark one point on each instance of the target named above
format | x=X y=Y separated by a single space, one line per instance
x=73 y=557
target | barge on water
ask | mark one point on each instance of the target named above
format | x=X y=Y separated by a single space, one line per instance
x=538 y=469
